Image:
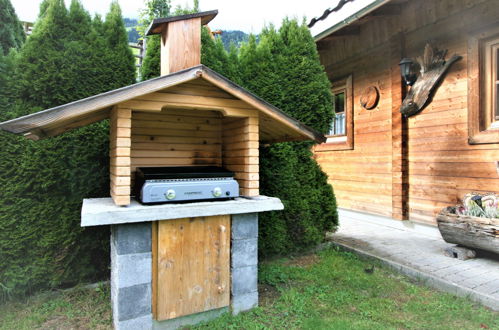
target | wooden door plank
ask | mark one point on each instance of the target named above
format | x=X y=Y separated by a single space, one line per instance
x=193 y=266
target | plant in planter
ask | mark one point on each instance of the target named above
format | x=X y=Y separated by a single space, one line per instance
x=476 y=205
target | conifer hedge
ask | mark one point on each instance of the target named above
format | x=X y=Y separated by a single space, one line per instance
x=284 y=69
x=11 y=30
x=69 y=56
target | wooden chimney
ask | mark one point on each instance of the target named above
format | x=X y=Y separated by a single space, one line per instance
x=180 y=40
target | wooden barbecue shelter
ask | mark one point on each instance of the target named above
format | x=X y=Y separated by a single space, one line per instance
x=194 y=257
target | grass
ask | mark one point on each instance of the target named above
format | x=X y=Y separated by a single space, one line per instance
x=328 y=290
x=79 y=308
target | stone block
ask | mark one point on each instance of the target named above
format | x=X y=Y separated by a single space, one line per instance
x=244 y=280
x=460 y=253
x=139 y=323
x=131 y=269
x=131 y=238
x=244 y=226
x=103 y=211
x=244 y=253
x=244 y=302
x=133 y=302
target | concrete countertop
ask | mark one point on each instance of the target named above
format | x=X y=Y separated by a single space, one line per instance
x=103 y=211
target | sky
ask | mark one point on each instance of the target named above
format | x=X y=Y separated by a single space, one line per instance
x=248 y=16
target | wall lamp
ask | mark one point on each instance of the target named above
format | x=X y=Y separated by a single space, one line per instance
x=409 y=71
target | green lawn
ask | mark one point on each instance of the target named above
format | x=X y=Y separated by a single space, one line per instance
x=74 y=309
x=328 y=290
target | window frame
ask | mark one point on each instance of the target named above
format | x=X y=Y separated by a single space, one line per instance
x=342 y=142
x=336 y=91
x=482 y=127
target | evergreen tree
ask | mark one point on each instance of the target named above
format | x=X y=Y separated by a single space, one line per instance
x=44 y=182
x=284 y=69
x=214 y=56
x=151 y=63
x=118 y=54
x=11 y=30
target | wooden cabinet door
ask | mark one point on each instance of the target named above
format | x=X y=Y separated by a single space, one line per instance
x=191 y=266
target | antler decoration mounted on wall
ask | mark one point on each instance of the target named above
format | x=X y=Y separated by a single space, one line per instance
x=433 y=68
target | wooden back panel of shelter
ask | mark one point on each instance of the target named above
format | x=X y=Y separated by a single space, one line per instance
x=176 y=137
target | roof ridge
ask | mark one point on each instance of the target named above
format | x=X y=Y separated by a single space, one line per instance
x=328 y=11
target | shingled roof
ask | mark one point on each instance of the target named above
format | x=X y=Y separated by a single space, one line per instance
x=276 y=126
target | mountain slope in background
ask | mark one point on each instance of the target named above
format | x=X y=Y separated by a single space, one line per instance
x=233 y=36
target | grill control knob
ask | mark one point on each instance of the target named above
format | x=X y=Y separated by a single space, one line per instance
x=170 y=194
x=217 y=192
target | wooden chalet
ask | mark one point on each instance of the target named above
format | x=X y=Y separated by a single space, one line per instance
x=411 y=167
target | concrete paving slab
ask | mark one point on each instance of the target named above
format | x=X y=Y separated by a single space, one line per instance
x=417 y=250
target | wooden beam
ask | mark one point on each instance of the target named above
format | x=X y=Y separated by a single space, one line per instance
x=399 y=132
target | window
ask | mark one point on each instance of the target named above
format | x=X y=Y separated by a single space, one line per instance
x=338 y=124
x=340 y=136
x=483 y=87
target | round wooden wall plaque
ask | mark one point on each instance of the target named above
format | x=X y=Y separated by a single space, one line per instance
x=369 y=98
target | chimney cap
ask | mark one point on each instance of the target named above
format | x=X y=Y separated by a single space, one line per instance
x=155 y=27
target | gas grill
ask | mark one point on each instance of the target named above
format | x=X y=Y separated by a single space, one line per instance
x=186 y=183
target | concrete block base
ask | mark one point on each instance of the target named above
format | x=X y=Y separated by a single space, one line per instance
x=131 y=275
x=244 y=302
x=244 y=262
x=139 y=323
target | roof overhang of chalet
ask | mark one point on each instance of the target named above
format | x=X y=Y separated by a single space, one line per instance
x=350 y=24
x=276 y=126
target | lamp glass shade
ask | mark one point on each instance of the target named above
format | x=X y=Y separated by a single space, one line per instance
x=407 y=71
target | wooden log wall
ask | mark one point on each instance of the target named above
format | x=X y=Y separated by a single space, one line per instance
x=361 y=177
x=241 y=154
x=441 y=165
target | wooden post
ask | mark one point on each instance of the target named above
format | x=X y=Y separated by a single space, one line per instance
x=399 y=134
x=241 y=153
x=119 y=153
x=180 y=45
